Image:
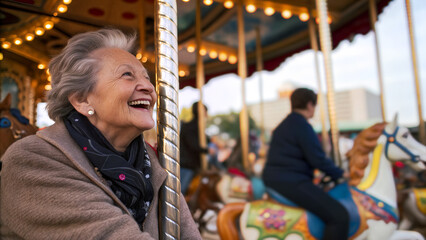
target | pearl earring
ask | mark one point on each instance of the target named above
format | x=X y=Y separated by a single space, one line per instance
x=91 y=112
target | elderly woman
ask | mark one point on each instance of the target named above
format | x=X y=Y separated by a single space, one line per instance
x=90 y=175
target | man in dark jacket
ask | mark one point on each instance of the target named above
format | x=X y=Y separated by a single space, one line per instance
x=295 y=151
x=190 y=149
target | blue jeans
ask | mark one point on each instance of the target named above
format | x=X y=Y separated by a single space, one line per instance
x=186 y=176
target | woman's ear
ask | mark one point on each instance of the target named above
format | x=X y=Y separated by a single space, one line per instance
x=79 y=104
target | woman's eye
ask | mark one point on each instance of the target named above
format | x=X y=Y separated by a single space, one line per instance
x=127 y=74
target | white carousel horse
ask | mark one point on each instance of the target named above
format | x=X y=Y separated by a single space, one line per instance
x=414 y=209
x=371 y=202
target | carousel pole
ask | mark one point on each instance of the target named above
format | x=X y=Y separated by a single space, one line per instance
x=259 y=68
x=142 y=31
x=167 y=86
x=325 y=40
x=200 y=83
x=314 y=45
x=373 y=18
x=242 y=72
x=422 y=133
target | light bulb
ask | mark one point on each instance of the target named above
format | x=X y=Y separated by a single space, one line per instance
x=29 y=37
x=213 y=54
x=203 y=51
x=41 y=66
x=190 y=48
x=228 y=4
x=39 y=31
x=286 y=14
x=251 y=8
x=181 y=73
x=17 y=41
x=67 y=1
x=208 y=2
x=6 y=45
x=48 y=87
x=223 y=56
x=62 y=8
x=304 y=17
x=48 y=25
x=269 y=11
x=232 y=59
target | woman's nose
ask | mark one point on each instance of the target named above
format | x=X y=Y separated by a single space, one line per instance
x=145 y=85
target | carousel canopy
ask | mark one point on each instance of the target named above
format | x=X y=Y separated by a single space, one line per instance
x=32 y=31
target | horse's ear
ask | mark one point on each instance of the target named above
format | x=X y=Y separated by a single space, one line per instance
x=392 y=126
x=7 y=102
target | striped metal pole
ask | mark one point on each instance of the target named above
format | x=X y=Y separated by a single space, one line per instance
x=422 y=132
x=200 y=80
x=373 y=19
x=325 y=40
x=323 y=111
x=242 y=72
x=167 y=86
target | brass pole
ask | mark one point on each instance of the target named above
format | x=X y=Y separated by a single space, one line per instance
x=422 y=133
x=242 y=72
x=314 y=46
x=142 y=30
x=373 y=19
x=167 y=86
x=259 y=68
x=200 y=83
x=325 y=40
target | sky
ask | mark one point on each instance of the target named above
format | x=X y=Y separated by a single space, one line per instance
x=353 y=66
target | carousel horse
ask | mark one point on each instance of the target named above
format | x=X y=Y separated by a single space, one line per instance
x=413 y=209
x=370 y=201
x=13 y=125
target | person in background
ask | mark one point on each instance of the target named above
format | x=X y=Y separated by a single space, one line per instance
x=190 y=149
x=294 y=153
x=90 y=175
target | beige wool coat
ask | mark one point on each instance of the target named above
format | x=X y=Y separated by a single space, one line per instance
x=50 y=190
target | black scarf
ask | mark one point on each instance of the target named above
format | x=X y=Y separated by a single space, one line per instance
x=128 y=174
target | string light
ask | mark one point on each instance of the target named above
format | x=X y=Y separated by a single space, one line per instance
x=228 y=4
x=213 y=54
x=139 y=56
x=29 y=37
x=286 y=14
x=208 y=2
x=17 y=41
x=181 y=73
x=232 y=59
x=48 y=25
x=304 y=17
x=48 y=87
x=269 y=11
x=144 y=59
x=41 y=66
x=67 y=1
x=62 y=8
x=251 y=8
x=1 y=56
x=39 y=31
x=185 y=0
x=203 y=51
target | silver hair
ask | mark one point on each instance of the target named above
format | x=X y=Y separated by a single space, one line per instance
x=74 y=70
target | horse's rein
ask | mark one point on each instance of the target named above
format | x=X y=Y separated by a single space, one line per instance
x=391 y=138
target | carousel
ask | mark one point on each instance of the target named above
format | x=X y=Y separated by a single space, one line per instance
x=188 y=43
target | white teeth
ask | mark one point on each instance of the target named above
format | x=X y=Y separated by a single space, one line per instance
x=139 y=102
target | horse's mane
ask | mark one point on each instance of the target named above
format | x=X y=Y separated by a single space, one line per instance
x=364 y=143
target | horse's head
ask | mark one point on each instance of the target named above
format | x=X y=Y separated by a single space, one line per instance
x=401 y=146
x=13 y=125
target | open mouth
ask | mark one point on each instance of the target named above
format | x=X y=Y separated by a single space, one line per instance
x=139 y=104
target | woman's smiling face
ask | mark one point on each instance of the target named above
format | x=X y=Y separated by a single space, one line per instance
x=123 y=97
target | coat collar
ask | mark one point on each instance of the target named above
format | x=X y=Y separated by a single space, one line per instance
x=58 y=135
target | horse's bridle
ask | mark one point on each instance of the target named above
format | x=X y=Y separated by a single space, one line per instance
x=6 y=123
x=391 y=138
